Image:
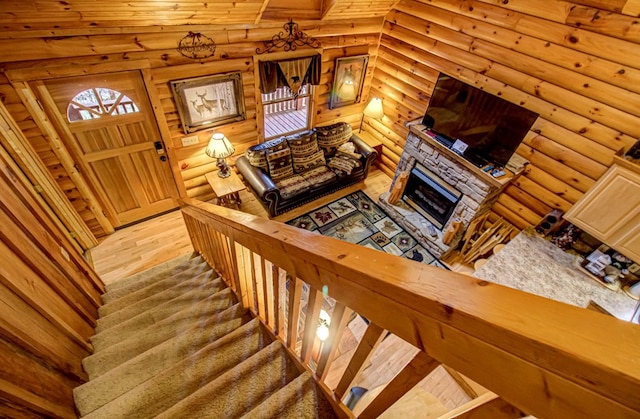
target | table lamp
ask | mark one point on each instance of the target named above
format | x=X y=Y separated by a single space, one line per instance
x=220 y=148
x=373 y=109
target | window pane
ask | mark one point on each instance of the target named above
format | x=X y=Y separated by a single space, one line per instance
x=92 y=103
x=285 y=115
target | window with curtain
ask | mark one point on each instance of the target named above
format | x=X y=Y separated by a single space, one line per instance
x=287 y=94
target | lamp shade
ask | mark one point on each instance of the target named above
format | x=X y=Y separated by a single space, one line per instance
x=374 y=108
x=219 y=147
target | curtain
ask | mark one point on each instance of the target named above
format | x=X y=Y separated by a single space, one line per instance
x=292 y=73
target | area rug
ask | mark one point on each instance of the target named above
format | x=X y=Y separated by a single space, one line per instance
x=355 y=218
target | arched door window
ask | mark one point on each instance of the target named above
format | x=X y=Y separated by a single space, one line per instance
x=98 y=102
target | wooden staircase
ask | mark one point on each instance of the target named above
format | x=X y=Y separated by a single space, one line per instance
x=174 y=342
x=243 y=341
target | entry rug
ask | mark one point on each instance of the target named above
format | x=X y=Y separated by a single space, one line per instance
x=357 y=219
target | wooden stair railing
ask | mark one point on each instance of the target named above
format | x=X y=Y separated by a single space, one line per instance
x=546 y=358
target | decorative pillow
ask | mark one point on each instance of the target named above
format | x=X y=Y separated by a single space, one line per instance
x=333 y=136
x=257 y=153
x=305 y=162
x=279 y=163
x=303 y=144
x=343 y=164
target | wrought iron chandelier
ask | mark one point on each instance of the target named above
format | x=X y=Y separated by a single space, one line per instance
x=289 y=41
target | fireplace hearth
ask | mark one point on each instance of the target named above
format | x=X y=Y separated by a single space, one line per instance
x=441 y=187
x=431 y=196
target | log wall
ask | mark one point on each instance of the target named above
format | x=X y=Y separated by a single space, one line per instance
x=573 y=63
x=235 y=51
x=49 y=299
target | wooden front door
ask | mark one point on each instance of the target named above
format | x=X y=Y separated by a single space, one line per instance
x=117 y=138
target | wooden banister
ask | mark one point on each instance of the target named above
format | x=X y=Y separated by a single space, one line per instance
x=567 y=361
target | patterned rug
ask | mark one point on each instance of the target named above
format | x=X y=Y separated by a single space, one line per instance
x=357 y=219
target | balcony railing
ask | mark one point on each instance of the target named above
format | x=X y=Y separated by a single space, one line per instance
x=547 y=359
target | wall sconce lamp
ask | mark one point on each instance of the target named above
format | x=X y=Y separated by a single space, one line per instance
x=220 y=148
x=323 y=326
x=373 y=109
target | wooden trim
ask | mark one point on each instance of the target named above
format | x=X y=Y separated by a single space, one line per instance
x=74 y=155
x=263 y=7
x=51 y=72
x=367 y=346
x=419 y=367
x=163 y=127
x=314 y=305
x=462 y=382
x=47 y=221
x=57 y=146
x=18 y=395
x=339 y=320
x=14 y=141
x=486 y=406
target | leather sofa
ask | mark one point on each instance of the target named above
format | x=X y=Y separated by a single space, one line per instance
x=340 y=159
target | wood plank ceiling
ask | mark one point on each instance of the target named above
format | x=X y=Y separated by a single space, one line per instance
x=19 y=15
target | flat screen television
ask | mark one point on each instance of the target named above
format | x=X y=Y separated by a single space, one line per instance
x=491 y=127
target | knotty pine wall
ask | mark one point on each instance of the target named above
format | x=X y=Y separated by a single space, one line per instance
x=573 y=62
x=235 y=49
x=49 y=299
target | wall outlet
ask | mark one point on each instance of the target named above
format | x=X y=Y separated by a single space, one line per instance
x=191 y=140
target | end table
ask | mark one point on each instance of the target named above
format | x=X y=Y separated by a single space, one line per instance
x=226 y=189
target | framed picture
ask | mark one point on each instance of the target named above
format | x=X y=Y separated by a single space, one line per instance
x=348 y=78
x=209 y=101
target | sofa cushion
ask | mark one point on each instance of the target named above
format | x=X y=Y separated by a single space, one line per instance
x=333 y=136
x=319 y=176
x=304 y=163
x=292 y=186
x=257 y=154
x=303 y=144
x=279 y=163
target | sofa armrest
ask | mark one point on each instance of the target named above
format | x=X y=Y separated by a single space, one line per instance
x=259 y=181
x=368 y=152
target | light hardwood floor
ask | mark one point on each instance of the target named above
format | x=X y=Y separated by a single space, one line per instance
x=149 y=243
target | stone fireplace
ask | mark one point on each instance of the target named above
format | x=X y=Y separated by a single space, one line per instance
x=442 y=187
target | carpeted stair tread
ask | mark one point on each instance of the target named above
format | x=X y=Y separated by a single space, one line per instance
x=299 y=399
x=129 y=346
x=144 y=278
x=205 y=279
x=116 y=382
x=184 y=378
x=153 y=288
x=240 y=389
x=168 y=319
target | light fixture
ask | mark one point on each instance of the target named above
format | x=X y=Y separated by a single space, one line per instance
x=220 y=148
x=373 y=109
x=323 y=326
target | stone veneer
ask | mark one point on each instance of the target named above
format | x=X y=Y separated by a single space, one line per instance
x=480 y=190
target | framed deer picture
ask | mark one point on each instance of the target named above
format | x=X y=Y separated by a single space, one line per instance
x=209 y=101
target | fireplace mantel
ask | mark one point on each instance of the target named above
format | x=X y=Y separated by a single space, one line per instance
x=500 y=182
x=479 y=189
